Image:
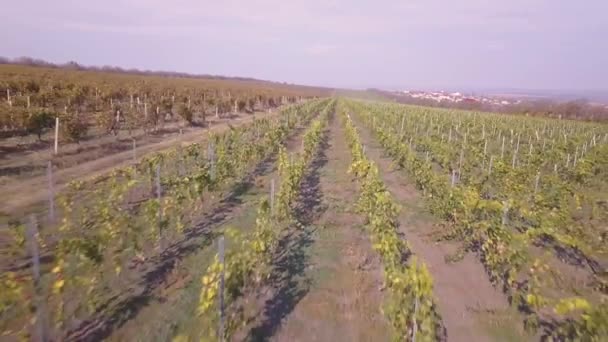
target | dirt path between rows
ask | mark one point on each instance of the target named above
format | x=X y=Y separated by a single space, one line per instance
x=20 y=196
x=327 y=284
x=19 y=161
x=470 y=307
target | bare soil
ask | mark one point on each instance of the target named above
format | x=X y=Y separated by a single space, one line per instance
x=26 y=157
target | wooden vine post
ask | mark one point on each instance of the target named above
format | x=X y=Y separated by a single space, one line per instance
x=211 y=159
x=160 y=211
x=39 y=300
x=272 y=196
x=56 y=147
x=134 y=151
x=221 y=288
x=49 y=174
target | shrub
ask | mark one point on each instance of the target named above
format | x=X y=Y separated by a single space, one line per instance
x=73 y=127
x=38 y=121
x=186 y=113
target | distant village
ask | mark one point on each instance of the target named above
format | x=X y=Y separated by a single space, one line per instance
x=502 y=103
x=457 y=97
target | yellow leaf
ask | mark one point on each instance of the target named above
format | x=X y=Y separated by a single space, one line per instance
x=567 y=305
x=58 y=285
x=180 y=338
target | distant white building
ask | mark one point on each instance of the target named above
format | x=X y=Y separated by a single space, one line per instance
x=443 y=96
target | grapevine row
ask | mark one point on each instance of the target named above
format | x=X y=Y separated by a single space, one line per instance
x=248 y=261
x=33 y=97
x=117 y=222
x=491 y=213
x=410 y=307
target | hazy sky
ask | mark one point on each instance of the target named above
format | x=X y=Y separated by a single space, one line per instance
x=547 y=44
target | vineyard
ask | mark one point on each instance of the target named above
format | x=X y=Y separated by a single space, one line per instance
x=329 y=219
x=107 y=102
x=525 y=195
x=74 y=117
